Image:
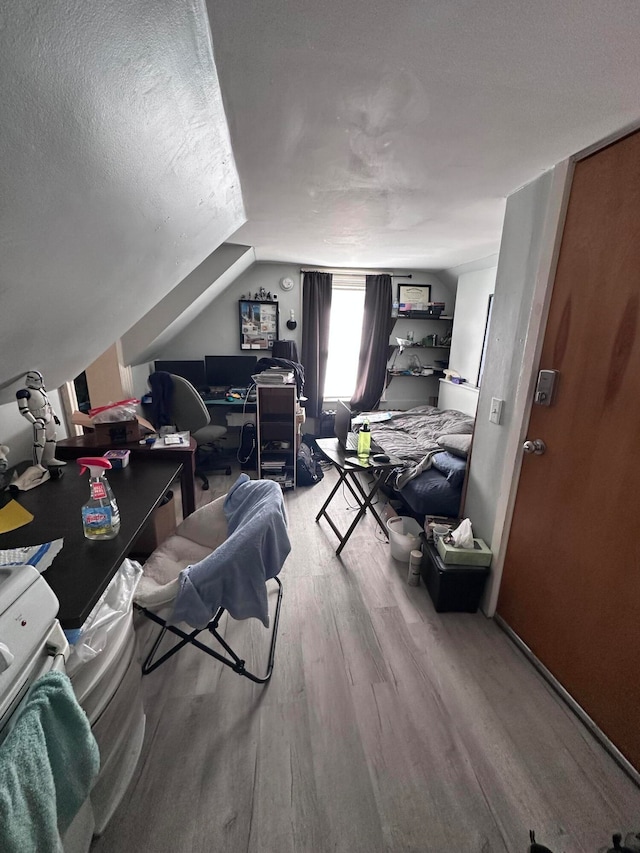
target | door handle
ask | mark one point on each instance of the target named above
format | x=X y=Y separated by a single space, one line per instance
x=537 y=446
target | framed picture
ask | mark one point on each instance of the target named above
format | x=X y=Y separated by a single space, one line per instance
x=413 y=297
x=258 y=324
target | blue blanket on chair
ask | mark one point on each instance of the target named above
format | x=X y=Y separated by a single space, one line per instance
x=234 y=576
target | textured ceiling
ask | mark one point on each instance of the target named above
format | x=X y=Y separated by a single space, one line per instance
x=116 y=172
x=379 y=133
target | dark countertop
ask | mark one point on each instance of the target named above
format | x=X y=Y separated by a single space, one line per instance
x=82 y=570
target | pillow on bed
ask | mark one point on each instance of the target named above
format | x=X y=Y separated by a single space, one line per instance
x=453 y=467
x=461 y=428
x=459 y=445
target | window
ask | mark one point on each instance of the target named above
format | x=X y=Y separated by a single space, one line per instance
x=347 y=309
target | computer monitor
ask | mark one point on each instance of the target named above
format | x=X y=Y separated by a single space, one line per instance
x=230 y=371
x=190 y=369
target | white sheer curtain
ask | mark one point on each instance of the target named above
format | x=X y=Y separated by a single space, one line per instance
x=347 y=308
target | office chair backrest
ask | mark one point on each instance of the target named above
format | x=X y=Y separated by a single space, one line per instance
x=285 y=349
x=188 y=409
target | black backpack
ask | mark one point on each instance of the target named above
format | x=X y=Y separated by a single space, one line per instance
x=308 y=469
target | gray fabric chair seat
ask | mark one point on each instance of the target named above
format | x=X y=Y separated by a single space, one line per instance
x=209 y=434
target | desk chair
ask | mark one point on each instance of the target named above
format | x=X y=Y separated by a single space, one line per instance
x=220 y=558
x=188 y=412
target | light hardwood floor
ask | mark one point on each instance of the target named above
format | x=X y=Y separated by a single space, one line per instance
x=386 y=727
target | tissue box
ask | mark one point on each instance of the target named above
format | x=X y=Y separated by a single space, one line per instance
x=480 y=555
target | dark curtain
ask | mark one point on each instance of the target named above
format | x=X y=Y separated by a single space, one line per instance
x=316 y=313
x=374 y=343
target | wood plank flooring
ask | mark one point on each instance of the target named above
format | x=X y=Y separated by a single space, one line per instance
x=386 y=727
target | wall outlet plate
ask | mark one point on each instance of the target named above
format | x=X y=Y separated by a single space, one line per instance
x=495 y=413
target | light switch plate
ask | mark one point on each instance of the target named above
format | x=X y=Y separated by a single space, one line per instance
x=495 y=414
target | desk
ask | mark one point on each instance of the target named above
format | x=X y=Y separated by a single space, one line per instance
x=232 y=405
x=234 y=413
x=82 y=570
x=87 y=445
x=348 y=467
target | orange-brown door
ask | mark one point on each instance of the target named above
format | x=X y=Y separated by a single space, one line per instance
x=571 y=582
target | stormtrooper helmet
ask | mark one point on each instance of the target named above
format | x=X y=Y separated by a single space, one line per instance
x=34 y=379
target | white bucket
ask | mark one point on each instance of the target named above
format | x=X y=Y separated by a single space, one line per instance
x=404 y=536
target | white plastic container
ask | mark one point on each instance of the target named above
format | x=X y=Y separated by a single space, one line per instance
x=404 y=535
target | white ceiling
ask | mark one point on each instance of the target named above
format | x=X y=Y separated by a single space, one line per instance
x=389 y=132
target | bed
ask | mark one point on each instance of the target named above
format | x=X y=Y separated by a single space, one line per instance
x=433 y=445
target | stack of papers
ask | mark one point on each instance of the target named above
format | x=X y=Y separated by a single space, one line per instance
x=273 y=464
x=173 y=439
x=274 y=376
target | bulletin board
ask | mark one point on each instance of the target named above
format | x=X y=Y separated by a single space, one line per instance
x=258 y=324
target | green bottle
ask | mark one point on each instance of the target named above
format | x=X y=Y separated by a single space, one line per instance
x=364 y=440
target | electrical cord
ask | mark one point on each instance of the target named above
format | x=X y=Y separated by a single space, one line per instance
x=244 y=430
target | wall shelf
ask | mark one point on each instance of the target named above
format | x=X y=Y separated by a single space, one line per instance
x=402 y=364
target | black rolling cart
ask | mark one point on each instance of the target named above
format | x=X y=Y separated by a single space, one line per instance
x=452 y=587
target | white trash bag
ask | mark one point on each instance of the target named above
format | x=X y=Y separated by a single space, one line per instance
x=115 y=605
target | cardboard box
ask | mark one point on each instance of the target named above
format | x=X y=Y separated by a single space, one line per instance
x=118 y=432
x=480 y=555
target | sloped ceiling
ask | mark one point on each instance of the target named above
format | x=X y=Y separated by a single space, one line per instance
x=117 y=176
x=171 y=316
x=375 y=133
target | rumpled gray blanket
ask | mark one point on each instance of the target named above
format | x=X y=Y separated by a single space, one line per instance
x=234 y=576
x=412 y=436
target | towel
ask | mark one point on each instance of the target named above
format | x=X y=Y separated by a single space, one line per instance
x=234 y=576
x=48 y=763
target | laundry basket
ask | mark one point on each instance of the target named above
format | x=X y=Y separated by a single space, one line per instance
x=404 y=536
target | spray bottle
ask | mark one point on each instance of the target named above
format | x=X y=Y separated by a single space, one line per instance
x=100 y=515
x=364 y=440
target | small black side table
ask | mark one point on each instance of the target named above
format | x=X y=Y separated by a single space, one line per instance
x=348 y=468
x=452 y=587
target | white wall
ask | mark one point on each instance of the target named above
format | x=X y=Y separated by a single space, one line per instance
x=526 y=258
x=463 y=398
x=472 y=301
x=217 y=330
x=116 y=173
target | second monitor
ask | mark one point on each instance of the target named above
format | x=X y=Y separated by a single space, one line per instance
x=230 y=371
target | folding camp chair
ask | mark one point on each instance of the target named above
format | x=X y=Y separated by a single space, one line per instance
x=219 y=560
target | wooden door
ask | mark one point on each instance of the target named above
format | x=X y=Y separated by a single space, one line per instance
x=571 y=583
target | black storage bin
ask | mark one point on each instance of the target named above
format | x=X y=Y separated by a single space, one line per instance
x=327 y=424
x=453 y=588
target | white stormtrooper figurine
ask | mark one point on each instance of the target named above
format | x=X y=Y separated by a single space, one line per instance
x=34 y=405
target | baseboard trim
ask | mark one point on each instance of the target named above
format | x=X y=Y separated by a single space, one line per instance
x=582 y=715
